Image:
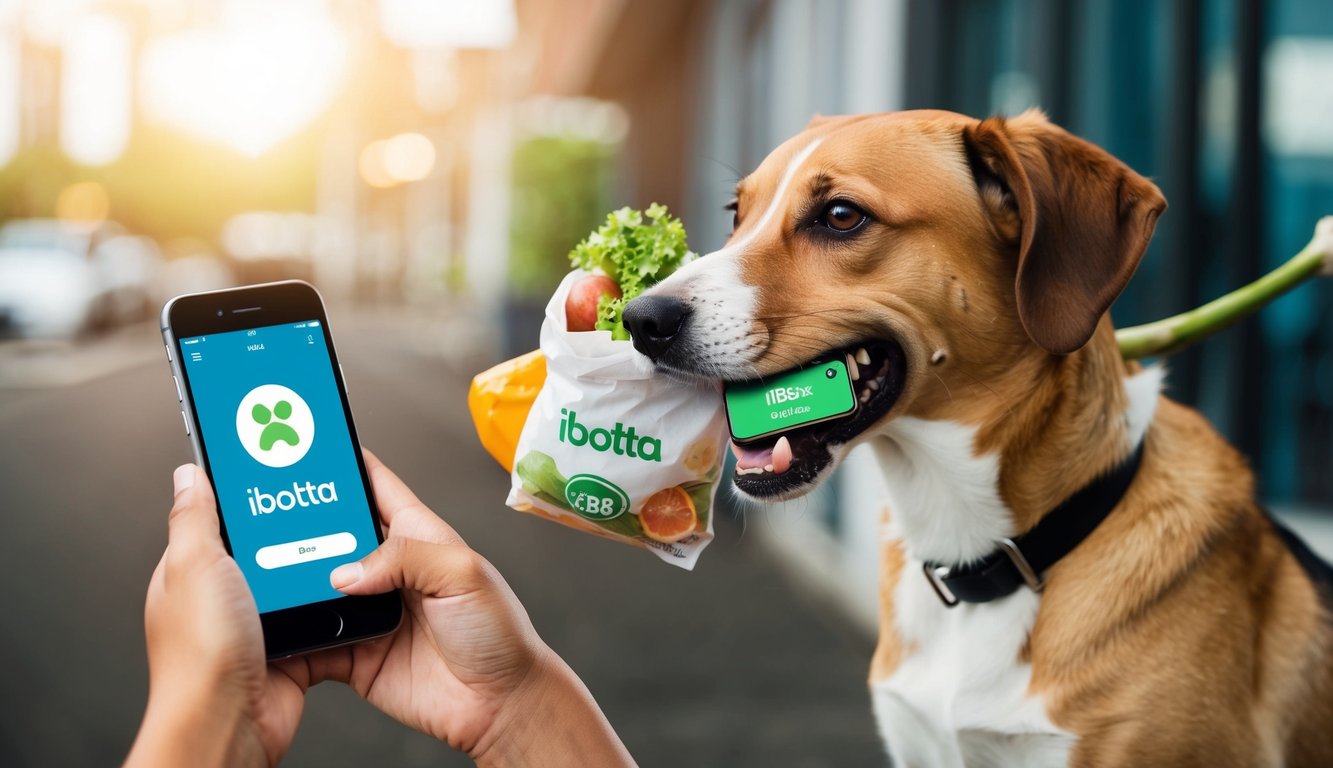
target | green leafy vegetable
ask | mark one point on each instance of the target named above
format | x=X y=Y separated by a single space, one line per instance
x=636 y=249
x=539 y=474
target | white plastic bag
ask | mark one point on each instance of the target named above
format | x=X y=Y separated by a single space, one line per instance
x=613 y=448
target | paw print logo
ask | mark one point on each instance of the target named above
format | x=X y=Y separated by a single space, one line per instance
x=275 y=425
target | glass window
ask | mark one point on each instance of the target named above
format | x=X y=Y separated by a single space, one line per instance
x=1297 y=188
x=1229 y=114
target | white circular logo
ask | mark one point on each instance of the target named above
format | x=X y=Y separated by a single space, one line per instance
x=275 y=425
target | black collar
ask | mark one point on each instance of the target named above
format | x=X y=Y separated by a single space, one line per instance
x=1025 y=559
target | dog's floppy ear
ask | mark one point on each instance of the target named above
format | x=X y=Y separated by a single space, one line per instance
x=1080 y=220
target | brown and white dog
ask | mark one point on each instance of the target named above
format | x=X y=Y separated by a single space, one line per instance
x=974 y=262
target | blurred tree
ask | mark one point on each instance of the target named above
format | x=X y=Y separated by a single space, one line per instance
x=560 y=191
x=167 y=185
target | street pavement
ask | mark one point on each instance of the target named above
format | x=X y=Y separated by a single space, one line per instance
x=731 y=665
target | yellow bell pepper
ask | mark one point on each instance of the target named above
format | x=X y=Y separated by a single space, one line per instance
x=500 y=399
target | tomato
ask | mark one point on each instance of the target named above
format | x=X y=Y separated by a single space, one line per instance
x=581 y=305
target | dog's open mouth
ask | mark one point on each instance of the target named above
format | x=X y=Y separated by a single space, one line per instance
x=783 y=465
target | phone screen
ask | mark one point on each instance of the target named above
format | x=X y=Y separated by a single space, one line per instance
x=797 y=398
x=275 y=434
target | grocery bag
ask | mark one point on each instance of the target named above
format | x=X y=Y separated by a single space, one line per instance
x=612 y=447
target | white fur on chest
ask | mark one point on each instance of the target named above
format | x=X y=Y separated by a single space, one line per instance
x=960 y=696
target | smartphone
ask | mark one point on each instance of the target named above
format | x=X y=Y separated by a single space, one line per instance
x=797 y=398
x=265 y=406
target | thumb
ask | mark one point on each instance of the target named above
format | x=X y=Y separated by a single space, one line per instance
x=192 y=526
x=434 y=570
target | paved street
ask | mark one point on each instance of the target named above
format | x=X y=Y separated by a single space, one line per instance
x=728 y=666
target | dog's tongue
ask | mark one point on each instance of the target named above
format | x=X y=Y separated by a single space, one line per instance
x=775 y=458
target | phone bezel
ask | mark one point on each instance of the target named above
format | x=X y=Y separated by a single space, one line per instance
x=313 y=626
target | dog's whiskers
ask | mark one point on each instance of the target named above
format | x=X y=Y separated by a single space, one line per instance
x=946 y=386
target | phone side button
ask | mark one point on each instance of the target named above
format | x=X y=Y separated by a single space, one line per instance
x=185 y=420
x=168 y=349
x=179 y=397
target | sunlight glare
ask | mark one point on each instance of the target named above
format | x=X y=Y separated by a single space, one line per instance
x=11 y=113
x=409 y=157
x=449 y=23
x=372 y=167
x=257 y=80
x=45 y=21
x=95 y=90
x=84 y=201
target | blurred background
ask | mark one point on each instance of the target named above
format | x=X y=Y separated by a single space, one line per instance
x=429 y=163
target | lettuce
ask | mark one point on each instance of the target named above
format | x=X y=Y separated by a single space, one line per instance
x=636 y=249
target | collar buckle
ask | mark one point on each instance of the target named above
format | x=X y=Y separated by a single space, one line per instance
x=935 y=576
x=1034 y=581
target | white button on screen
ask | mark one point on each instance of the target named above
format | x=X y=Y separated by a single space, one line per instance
x=305 y=551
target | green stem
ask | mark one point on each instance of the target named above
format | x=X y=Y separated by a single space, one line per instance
x=1174 y=333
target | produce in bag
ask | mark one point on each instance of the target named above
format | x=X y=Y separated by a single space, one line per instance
x=610 y=446
x=500 y=400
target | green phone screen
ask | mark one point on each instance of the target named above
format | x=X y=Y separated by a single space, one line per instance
x=793 y=399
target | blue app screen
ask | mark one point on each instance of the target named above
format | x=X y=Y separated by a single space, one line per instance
x=284 y=468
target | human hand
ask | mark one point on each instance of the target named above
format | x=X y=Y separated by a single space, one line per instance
x=212 y=698
x=466 y=665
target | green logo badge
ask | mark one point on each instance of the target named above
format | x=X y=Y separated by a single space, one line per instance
x=596 y=498
x=275 y=425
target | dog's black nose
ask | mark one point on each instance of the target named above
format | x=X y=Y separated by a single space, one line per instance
x=654 y=321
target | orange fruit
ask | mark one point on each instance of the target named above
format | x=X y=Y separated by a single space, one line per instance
x=701 y=456
x=668 y=515
x=500 y=400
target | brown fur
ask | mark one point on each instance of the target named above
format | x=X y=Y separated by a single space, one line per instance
x=1182 y=632
x=890 y=649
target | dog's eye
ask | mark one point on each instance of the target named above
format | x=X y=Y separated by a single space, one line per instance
x=842 y=217
x=735 y=207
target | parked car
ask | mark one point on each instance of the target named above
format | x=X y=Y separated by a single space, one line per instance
x=61 y=279
x=127 y=270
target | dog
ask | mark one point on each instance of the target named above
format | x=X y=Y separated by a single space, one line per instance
x=964 y=268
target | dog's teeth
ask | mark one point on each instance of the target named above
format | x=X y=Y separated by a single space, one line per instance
x=749 y=471
x=853 y=369
x=782 y=455
x=865 y=396
x=768 y=467
x=873 y=384
x=862 y=356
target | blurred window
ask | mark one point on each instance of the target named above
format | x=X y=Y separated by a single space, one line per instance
x=1296 y=121
x=1225 y=104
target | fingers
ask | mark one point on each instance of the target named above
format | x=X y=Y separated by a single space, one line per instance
x=401 y=510
x=156 y=588
x=433 y=569
x=192 y=527
x=330 y=664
